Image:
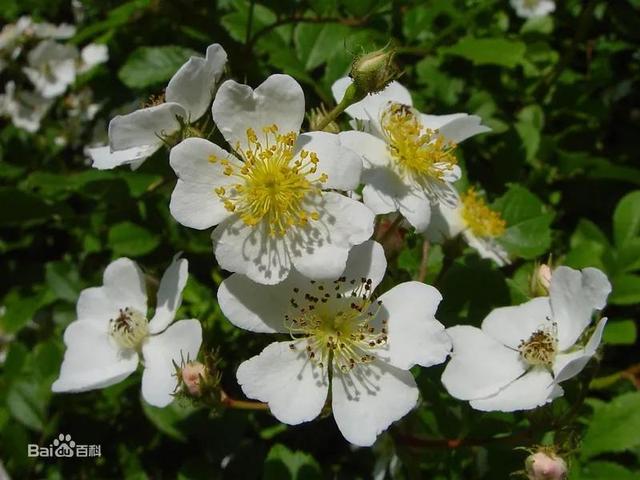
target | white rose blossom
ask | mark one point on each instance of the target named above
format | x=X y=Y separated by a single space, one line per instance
x=51 y=67
x=339 y=335
x=270 y=198
x=409 y=159
x=533 y=8
x=480 y=226
x=521 y=354
x=26 y=109
x=112 y=332
x=92 y=55
x=137 y=135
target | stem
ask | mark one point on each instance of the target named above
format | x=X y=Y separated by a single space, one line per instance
x=422 y=273
x=351 y=96
x=229 y=402
x=247 y=38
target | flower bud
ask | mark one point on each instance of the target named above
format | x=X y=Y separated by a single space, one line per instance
x=373 y=71
x=193 y=373
x=545 y=465
x=541 y=280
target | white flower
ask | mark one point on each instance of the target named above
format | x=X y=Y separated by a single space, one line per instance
x=518 y=358
x=340 y=335
x=26 y=109
x=409 y=156
x=112 y=330
x=480 y=226
x=533 y=8
x=136 y=136
x=52 y=67
x=11 y=35
x=269 y=200
x=92 y=55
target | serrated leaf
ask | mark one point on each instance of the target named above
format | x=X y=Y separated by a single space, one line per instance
x=149 y=66
x=620 y=332
x=129 y=239
x=488 y=51
x=626 y=289
x=315 y=44
x=615 y=426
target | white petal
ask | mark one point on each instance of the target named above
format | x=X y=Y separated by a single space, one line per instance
x=574 y=297
x=367 y=260
x=278 y=100
x=342 y=165
x=487 y=248
x=435 y=122
x=383 y=187
x=193 y=84
x=194 y=202
x=169 y=296
x=250 y=250
x=143 y=127
x=123 y=286
x=92 y=360
x=568 y=365
x=445 y=223
x=181 y=341
x=93 y=54
x=534 y=389
x=416 y=208
x=479 y=365
x=462 y=128
x=511 y=325
x=255 y=307
x=415 y=336
x=104 y=159
x=373 y=150
x=369 y=399
x=371 y=106
x=319 y=251
x=293 y=387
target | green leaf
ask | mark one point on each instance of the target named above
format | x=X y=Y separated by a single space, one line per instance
x=27 y=400
x=25 y=207
x=528 y=232
x=626 y=219
x=170 y=419
x=529 y=125
x=129 y=239
x=620 y=332
x=284 y=464
x=64 y=280
x=606 y=471
x=488 y=51
x=21 y=308
x=150 y=66
x=614 y=426
x=315 y=43
x=626 y=289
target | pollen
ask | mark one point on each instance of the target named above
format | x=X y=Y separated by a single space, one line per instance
x=273 y=184
x=336 y=330
x=420 y=153
x=129 y=328
x=479 y=218
x=540 y=348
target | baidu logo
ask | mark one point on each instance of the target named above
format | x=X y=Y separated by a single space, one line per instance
x=62 y=447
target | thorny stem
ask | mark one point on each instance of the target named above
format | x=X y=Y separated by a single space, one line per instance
x=351 y=96
x=422 y=273
x=382 y=237
x=229 y=402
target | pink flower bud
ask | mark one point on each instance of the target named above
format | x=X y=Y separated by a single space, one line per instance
x=192 y=375
x=546 y=466
x=544 y=276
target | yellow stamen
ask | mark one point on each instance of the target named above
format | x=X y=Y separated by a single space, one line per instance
x=480 y=219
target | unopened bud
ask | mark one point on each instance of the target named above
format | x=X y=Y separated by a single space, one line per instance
x=373 y=71
x=317 y=118
x=193 y=373
x=541 y=280
x=545 y=465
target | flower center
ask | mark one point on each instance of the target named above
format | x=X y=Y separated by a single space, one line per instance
x=129 y=328
x=541 y=348
x=480 y=219
x=337 y=328
x=274 y=184
x=418 y=152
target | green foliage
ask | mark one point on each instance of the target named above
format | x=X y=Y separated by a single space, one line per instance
x=560 y=167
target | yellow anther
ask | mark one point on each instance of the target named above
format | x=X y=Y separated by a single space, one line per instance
x=480 y=219
x=213 y=158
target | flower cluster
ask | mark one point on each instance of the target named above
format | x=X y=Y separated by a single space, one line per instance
x=35 y=51
x=288 y=225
